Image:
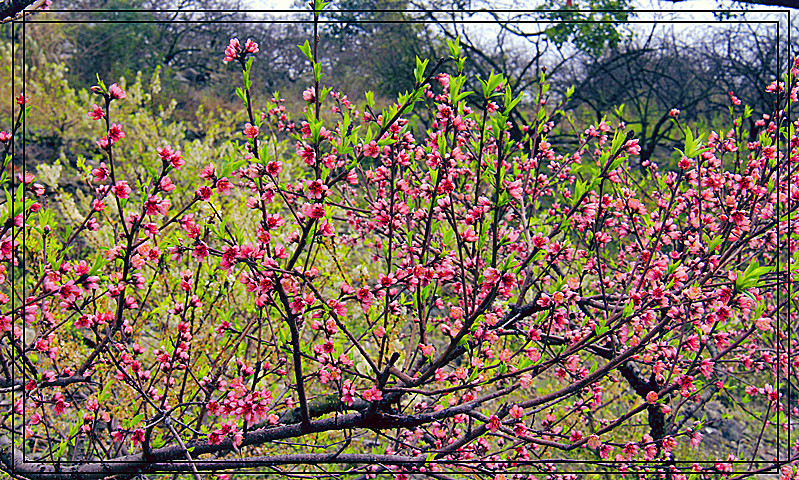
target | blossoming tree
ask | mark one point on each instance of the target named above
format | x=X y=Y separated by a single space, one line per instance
x=445 y=302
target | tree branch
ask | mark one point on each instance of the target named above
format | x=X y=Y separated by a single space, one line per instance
x=12 y=9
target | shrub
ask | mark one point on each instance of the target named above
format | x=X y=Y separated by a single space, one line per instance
x=441 y=302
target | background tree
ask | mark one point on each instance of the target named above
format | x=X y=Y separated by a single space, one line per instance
x=641 y=82
x=745 y=55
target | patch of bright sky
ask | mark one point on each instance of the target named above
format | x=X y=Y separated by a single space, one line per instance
x=271 y=4
x=688 y=21
x=685 y=18
x=699 y=11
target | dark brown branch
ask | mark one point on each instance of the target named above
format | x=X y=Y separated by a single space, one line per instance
x=10 y=9
x=128 y=470
x=6 y=385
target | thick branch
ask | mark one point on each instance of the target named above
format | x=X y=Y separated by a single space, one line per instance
x=8 y=385
x=135 y=464
x=9 y=9
x=127 y=470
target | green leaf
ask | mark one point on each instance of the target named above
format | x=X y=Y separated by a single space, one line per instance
x=442 y=144
x=317 y=71
x=318 y=6
x=601 y=330
x=454 y=47
x=510 y=103
x=509 y=261
x=618 y=140
x=370 y=99
x=74 y=429
x=61 y=449
x=418 y=72
x=99 y=262
x=448 y=235
x=306 y=49
x=579 y=190
x=751 y=277
x=503 y=367
x=761 y=308
x=689 y=138
x=693 y=145
x=540 y=116
x=715 y=242
x=135 y=420
x=241 y=95
x=673 y=267
x=628 y=309
x=455 y=84
x=284 y=333
x=618 y=161
x=101 y=84
x=105 y=393
x=489 y=87
x=245 y=74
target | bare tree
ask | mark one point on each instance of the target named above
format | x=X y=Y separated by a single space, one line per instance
x=746 y=58
x=643 y=81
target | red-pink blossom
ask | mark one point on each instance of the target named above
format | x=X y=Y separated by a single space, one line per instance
x=116 y=93
x=115 y=133
x=313 y=210
x=223 y=186
x=309 y=94
x=632 y=147
x=96 y=113
x=373 y=395
x=371 y=149
x=250 y=131
x=204 y=193
x=122 y=190
x=173 y=157
x=166 y=184
x=494 y=423
x=233 y=50
x=250 y=46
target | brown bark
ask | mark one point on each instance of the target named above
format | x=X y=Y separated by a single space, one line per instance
x=10 y=9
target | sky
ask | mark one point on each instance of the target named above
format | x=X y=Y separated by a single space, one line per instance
x=682 y=16
x=686 y=20
x=686 y=9
x=272 y=4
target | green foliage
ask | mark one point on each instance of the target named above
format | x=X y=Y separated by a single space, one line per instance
x=591 y=28
x=116 y=44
